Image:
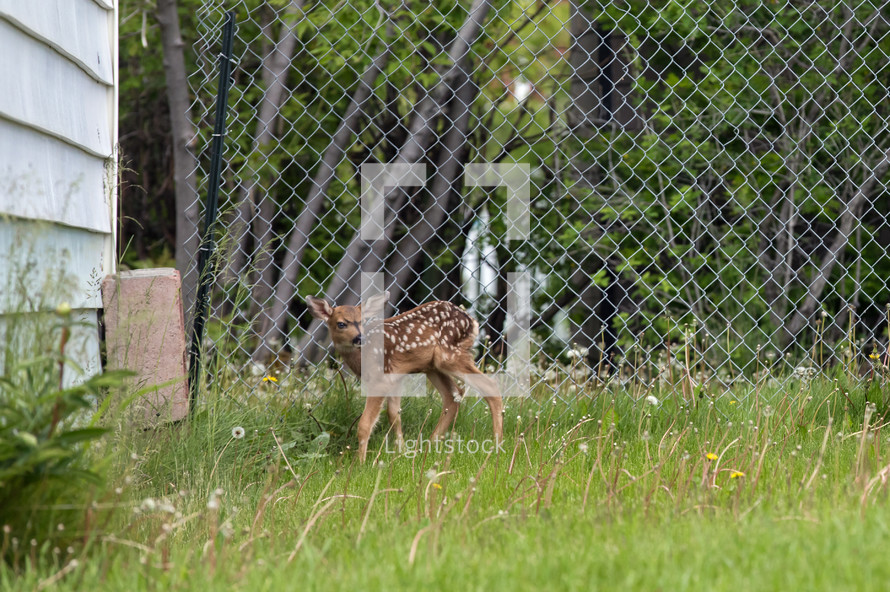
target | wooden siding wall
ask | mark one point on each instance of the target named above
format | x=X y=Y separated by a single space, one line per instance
x=58 y=136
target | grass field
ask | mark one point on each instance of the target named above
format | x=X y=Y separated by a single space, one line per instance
x=766 y=488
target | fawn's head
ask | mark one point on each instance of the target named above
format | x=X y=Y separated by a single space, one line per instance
x=345 y=322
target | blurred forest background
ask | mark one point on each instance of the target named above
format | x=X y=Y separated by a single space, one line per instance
x=707 y=172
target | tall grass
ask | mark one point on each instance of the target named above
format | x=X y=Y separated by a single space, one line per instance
x=772 y=484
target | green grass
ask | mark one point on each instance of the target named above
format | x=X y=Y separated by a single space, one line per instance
x=607 y=492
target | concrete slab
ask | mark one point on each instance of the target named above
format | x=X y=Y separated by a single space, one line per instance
x=145 y=333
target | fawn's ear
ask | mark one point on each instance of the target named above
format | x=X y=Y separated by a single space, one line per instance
x=319 y=308
x=376 y=305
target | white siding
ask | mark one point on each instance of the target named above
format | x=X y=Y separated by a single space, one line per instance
x=58 y=136
x=52 y=263
x=52 y=94
x=43 y=178
x=75 y=28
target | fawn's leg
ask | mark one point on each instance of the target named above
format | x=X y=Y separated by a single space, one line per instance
x=393 y=408
x=447 y=388
x=366 y=424
x=496 y=406
x=463 y=367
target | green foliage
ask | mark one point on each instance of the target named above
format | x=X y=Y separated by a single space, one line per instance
x=762 y=120
x=46 y=431
x=758 y=135
x=681 y=494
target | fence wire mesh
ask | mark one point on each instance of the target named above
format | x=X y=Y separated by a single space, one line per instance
x=708 y=181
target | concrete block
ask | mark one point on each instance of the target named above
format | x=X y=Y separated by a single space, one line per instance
x=145 y=333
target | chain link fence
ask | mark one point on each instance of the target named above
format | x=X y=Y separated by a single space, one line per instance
x=708 y=181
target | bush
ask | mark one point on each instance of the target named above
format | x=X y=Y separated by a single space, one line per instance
x=46 y=429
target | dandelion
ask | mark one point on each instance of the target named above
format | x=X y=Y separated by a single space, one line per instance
x=804 y=373
x=577 y=352
x=237 y=432
x=711 y=456
x=432 y=475
x=733 y=402
x=583 y=447
x=269 y=378
x=436 y=486
x=652 y=400
x=736 y=474
x=768 y=411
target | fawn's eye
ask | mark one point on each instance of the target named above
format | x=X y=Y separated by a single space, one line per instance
x=341 y=325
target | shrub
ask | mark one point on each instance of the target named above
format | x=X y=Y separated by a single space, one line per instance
x=46 y=429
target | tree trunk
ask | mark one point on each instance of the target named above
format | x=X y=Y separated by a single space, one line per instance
x=275 y=70
x=420 y=137
x=849 y=217
x=449 y=169
x=184 y=161
x=283 y=291
x=594 y=100
x=275 y=66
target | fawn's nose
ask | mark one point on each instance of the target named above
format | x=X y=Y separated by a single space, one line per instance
x=358 y=340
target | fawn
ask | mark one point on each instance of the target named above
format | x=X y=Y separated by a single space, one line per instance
x=433 y=339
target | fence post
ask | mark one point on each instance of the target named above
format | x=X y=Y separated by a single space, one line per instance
x=210 y=214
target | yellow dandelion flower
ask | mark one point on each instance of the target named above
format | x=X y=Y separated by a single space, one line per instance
x=711 y=456
x=733 y=402
x=437 y=486
x=269 y=379
x=736 y=474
